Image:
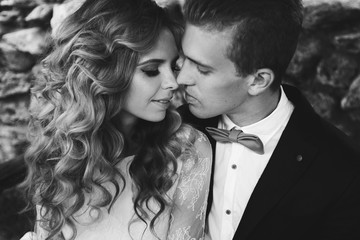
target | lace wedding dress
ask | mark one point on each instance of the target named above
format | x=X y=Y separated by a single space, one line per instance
x=184 y=219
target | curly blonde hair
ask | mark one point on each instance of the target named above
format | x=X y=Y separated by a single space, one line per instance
x=75 y=142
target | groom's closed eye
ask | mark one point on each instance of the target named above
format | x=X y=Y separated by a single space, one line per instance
x=202 y=68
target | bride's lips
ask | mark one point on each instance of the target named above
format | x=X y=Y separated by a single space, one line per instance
x=162 y=101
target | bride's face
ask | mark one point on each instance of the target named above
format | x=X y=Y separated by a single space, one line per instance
x=153 y=84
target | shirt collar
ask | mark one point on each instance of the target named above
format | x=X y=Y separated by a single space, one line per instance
x=266 y=127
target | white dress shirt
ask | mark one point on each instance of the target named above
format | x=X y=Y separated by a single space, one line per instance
x=238 y=169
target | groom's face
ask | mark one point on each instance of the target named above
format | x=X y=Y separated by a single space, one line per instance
x=211 y=82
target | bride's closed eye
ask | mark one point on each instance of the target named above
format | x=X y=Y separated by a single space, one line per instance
x=151 y=71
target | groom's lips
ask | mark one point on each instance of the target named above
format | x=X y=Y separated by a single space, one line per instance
x=189 y=98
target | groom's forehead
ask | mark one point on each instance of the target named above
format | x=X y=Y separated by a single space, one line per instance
x=206 y=48
x=203 y=38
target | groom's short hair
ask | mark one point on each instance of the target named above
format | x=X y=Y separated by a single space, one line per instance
x=265 y=32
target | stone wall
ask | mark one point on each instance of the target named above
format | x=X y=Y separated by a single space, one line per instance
x=25 y=29
x=325 y=66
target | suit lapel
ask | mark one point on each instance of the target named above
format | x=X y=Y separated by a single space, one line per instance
x=292 y=156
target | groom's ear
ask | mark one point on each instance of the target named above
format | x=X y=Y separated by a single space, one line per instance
x=261 y=81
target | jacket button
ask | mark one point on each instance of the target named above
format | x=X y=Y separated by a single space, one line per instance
x=228 y=212
x=299 y=158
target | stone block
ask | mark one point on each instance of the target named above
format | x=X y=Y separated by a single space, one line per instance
x=9 y=16
x=349 y=42
x=306 y=58
x=32 y=40
x=15 y=111
x=5 y=28
x=355 y=115
x=57 y=1
x=15 y=59
x=338 y=70
x=14 y=83
x=42 y=13
x=18 y=3
x=61 y=11
x=323 y=103
x=352 y=98
x=10 y=20
x=12 y=141
x=344 y=3
x=326 y=15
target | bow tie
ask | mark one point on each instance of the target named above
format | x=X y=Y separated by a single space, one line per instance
x=250 y=141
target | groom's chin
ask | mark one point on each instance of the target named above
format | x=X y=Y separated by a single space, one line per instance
x=200 y=112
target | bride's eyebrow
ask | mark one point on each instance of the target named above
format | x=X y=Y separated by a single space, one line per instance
x=157 y=61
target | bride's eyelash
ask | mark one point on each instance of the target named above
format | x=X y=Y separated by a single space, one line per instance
x=151 y=72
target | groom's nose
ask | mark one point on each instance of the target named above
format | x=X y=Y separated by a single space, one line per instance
x=185 y=77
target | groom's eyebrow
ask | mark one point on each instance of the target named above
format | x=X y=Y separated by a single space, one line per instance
x=199 y=63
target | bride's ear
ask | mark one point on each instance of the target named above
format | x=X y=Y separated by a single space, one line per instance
x=261 y=81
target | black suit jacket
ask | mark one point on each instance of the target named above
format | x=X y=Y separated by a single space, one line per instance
x=310 y=188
